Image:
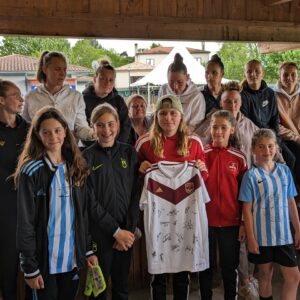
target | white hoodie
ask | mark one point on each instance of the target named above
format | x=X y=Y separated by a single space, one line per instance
x=193 y=103
x=68 y=101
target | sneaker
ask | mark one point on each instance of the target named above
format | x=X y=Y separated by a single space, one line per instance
x=244 y=290
x=253 y=292
x=254 y=282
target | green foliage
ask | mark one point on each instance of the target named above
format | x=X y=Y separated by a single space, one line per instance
x=155 y=45
x=82 y=54
x=236 y=55
x=272 y=62
x=33 y=46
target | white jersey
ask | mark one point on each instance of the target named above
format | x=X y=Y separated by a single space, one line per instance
x=175 y=221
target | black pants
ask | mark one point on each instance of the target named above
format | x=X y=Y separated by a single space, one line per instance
x=115 y=265
x=229 y=248
x=294 y=149
x=62 y=286
x=288 y=155
x=181 y=282
x=8 y=258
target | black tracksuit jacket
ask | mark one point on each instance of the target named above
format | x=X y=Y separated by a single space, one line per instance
x=260 y=106
x=114 y=173
x=33 y=215
x=92 y=100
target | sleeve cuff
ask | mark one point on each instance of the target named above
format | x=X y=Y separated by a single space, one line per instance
x=116 y=232
x=33 y=274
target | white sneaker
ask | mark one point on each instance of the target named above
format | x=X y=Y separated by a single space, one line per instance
x=254 y=282
x=253 y=292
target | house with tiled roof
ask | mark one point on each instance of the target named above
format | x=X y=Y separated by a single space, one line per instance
x=156 y=55
x=22 y=70
x=128 y=74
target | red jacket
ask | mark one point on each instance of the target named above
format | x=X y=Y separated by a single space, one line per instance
x=226 y=167
x=145 y=151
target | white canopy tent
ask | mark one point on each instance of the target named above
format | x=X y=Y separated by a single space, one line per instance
x=158 y=76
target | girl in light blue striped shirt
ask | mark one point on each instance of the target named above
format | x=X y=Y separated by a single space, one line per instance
x=268 y=191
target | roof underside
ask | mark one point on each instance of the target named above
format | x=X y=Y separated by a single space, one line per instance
x=199 y=20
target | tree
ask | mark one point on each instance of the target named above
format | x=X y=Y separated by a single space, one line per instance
x=235 y=56
x=272 y=62
x=84 y=53
x=32 y=46
x=155 y=45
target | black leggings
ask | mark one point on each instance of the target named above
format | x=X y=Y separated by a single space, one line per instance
x=229 y=248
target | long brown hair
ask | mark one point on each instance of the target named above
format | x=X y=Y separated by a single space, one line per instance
x=227 y=115
x=157 y=138
x=35 y=150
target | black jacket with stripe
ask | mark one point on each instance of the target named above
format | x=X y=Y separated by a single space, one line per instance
x=34 y=190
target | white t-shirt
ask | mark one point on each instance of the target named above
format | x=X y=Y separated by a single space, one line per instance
x=175 y=221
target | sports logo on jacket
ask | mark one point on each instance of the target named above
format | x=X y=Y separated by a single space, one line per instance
x=232 y=166
x=123 y=163
x=189 y=187
x=265 y=103
x=94 y=168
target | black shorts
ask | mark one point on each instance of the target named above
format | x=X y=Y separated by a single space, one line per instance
x=283 y=255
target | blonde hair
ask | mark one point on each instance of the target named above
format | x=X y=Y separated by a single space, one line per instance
x=134 y=96
x=157 y=138
x=263 y=133
x=232 y=86
x=102 y=109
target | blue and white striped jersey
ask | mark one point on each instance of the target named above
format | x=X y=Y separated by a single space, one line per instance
x=269 y=193
x=61 y=246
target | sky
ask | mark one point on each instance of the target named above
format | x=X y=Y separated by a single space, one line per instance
x=128 y=45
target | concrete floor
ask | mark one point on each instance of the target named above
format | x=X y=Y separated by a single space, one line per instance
x=217 y=292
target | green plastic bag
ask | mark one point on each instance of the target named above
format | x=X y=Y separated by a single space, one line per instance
x=94 y=281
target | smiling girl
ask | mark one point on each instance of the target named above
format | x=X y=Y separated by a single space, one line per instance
x=267 y=192
x=169 y=140
x=114 y=171
x=226 y=166
x=52 y=226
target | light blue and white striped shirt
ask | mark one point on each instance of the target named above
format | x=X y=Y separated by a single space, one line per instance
x=61 y=247
x=269 y=192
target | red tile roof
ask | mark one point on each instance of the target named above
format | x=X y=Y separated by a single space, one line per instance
x=167 y=50
x=22 y=63
x=135 y=66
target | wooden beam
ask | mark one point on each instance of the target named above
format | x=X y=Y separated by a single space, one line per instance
x=164 y=28
x=277 y=47
x=276 y=2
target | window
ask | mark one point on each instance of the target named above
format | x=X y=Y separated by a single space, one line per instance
x=198 y=59
x=150 y=61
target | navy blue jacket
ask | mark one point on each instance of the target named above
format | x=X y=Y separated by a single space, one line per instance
x=260 y=106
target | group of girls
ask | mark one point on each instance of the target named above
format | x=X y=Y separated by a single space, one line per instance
x=66 y=200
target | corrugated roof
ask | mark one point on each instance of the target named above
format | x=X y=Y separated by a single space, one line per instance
x=135 y=66
x=22 y=63
x=167 y=50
